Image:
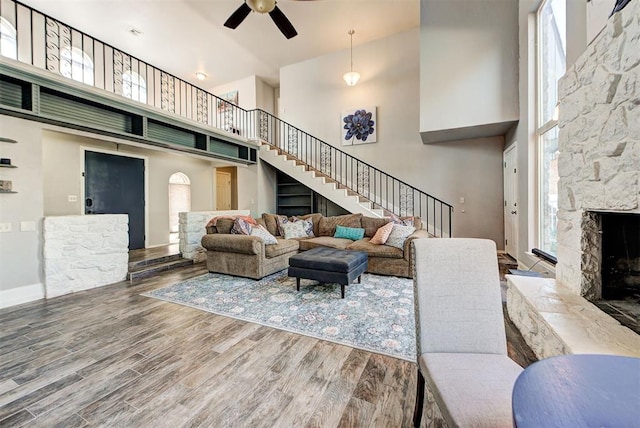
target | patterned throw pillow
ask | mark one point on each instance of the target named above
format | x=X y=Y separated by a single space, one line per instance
x=241 y=227
x=281 y=220
x=264 y=234
x=382 y=234
x=353 y=233
x=307 y=224
x=294 y=230
x=398 y=235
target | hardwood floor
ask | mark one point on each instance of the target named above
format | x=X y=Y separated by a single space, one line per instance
x=110 y=357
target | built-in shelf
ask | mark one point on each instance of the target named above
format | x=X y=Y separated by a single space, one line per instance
x=294 y=198
x=7 y=166
x=9 y=191
x=7 y=140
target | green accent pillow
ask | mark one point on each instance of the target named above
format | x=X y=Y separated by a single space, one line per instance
x=353 y=233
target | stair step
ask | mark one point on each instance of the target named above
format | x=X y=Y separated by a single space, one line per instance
x=163 y=259
x=151 y=270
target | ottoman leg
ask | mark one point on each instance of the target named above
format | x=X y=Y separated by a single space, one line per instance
x=297 y=283
x=360 y=279
x=342 y=290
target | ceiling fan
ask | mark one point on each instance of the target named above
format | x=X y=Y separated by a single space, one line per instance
x=262 y=6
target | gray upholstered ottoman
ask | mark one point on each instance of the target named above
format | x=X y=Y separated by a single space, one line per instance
x=328 y=265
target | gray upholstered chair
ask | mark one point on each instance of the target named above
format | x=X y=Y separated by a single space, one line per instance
x=462 y=348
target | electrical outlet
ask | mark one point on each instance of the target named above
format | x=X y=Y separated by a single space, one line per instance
x=5 y=227
x=72 y=198
x=462 y=200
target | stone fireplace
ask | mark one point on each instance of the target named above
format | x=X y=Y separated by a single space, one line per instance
x=598 y=203
x=599 y=144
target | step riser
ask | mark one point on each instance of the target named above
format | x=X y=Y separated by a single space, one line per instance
x=154 y=270
x=149 y=262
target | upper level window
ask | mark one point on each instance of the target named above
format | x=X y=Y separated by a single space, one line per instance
x=134 y=86
x=76 y=64
x=551 y=66
x=8 y=41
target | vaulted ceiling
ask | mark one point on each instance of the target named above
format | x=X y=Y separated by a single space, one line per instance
x=186 y=36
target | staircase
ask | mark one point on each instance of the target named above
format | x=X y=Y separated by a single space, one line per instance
x=354 y=185
x=150 y=267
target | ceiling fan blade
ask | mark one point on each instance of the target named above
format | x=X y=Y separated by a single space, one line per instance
x=283 y=23
x=238 y=16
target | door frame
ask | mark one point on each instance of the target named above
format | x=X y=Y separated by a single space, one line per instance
x=511 y=151
x=145 y=159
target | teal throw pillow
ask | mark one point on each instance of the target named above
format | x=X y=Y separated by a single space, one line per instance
x=353 y=233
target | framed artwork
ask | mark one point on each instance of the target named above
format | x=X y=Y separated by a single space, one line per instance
x=358 y=126
x=231 y=97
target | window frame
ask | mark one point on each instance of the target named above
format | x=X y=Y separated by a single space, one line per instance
x=12 y=35
x=86 y=77
x=131 y=85
x=541 y=128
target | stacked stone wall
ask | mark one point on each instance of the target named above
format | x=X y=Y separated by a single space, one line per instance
x=82 y=252
x=192 y=227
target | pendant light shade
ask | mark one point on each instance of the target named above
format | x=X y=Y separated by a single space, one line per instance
x=351 y=77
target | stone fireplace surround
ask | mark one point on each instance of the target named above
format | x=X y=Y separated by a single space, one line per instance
x=599 y=168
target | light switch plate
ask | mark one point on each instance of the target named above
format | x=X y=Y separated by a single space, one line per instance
x=27 y=226
x=5 y=227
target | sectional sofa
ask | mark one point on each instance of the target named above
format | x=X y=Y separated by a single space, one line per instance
x=248 y=256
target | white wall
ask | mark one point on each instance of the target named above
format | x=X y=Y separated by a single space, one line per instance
x=468 y=63
x=20 y=252
x=246 y=91
x=62 y=171
x=313 y=95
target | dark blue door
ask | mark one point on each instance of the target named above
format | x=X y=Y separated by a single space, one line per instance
x=115 y=185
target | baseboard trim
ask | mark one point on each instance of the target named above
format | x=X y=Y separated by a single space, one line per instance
x=20 y=295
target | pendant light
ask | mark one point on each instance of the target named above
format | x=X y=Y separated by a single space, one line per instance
x=351 y=77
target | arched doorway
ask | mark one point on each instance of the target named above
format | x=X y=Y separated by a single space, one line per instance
x=179 y=201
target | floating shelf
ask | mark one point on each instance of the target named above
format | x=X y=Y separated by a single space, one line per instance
x=7 y=140
x=7 y=166
x=9 y=191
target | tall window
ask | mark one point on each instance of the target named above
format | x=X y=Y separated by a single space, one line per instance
x=134 y=86
x=179 y=201
x=8 y=42
x=76 y=64
x=551 y=65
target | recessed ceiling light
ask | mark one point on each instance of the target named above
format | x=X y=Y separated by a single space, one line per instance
x=135 y=31
x=201 y=76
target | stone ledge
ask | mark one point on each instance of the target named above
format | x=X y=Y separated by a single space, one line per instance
x=554 y=321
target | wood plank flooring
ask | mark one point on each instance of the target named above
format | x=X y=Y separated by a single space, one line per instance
x=110 y=357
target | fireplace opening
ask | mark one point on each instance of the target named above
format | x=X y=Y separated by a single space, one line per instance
x=620 y=268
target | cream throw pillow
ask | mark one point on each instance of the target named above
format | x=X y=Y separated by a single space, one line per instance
x=294 y=230
x=398 y=235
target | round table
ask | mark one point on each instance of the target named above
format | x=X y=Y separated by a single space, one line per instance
x=578 y=391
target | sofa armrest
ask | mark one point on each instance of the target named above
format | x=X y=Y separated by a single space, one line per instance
x=418 y=234
x=230 y=243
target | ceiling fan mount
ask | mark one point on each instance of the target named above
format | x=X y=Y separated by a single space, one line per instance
x=262 y=6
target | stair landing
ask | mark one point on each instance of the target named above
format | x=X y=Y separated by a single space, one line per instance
x=147 y=262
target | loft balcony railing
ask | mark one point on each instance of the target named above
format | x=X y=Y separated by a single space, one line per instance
x=41 y=41
x=385 y=191
x=32 y=37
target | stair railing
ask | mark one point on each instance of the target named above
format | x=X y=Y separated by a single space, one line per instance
x=383 y=190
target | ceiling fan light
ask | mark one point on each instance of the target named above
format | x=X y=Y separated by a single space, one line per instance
x=351 y=78
x=262 y=6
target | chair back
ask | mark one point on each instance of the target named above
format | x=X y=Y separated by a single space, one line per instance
x=457 y=296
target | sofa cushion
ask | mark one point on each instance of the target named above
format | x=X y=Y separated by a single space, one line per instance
x=324 y=241
x=228 y=243
x=327 y=225
x=374 y=250
x=372 y=224
x=353 y=233
x=398 y=235
x=224 y=225
x=407 y=221
x=381 y=236
x=271 y=223
x=283 y=246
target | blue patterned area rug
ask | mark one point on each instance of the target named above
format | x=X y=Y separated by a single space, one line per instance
x=376 y=315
